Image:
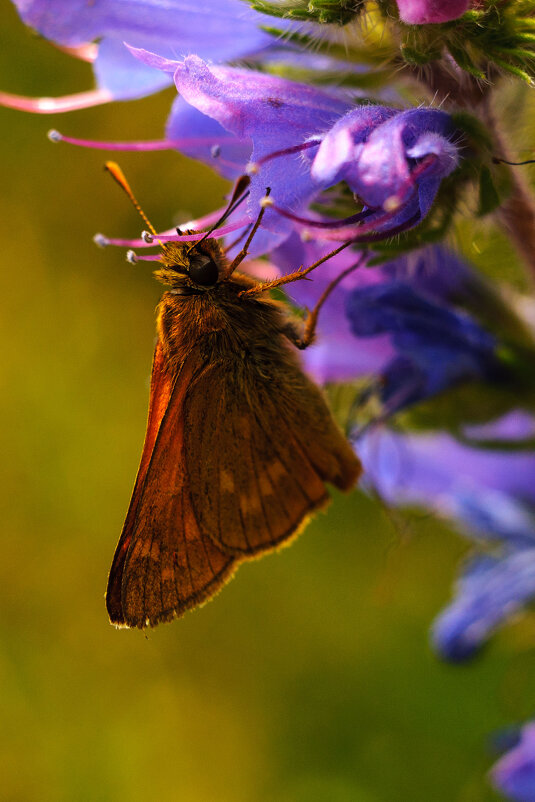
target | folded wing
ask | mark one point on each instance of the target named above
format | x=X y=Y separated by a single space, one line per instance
x=163 y=564
x=259 y=454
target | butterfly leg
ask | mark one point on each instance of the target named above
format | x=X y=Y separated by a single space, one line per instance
x=308 y=333
x=297 y=275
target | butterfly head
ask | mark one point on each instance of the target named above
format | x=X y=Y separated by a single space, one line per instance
x=191 y=270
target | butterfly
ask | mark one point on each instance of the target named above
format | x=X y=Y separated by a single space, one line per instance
x=240 y=443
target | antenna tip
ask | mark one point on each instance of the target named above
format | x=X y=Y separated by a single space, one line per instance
x=100 y=240
x=251 y=168
x=265 y=202
x=54 y=135
x=131 y=257
x=147 y=237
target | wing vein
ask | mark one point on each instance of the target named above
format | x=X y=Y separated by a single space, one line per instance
x=243 y=526
x=258 y=485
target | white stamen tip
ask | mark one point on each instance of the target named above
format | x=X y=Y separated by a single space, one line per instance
x=215 y=151
x=100 y=240
x=266 y=201
x=54 y=135
x=131 y=257
x=306 y=236
x=392 y=203
x=251 y=168
x=146 y=236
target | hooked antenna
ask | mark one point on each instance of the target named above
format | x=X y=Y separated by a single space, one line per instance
x=117 y=174
x=238 y=196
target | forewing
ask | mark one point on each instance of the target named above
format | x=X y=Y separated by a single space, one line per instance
x=261 y=461
x=163 y=564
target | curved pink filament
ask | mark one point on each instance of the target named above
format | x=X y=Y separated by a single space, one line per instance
x=56 y=105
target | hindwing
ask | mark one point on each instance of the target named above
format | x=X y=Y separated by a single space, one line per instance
x=259 y=454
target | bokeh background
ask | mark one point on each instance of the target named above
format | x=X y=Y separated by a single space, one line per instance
x=310 y=678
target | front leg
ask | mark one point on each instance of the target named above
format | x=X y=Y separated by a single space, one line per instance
x=306 y=337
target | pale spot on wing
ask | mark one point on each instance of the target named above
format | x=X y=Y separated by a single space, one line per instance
x=276 y=470
x=250 y=504
x=226 y=482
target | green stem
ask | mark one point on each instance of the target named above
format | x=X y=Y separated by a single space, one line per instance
x=452 y=89
x=517 y=212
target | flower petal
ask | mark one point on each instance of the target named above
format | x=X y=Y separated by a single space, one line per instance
x=418 y=12
x=514 y=773
x=210 y=142
x=275 y=114
x=217 y=29
x=490 y=591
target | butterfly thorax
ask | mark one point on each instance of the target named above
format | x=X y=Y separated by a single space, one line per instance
x=224 y=325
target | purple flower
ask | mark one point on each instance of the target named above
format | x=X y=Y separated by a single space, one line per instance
x=335 y=355
x=438 y=471
x=490 y=493
x=514 y=773
x=389 y=158
x=437 y=347
x=216 y=29
x=490 y=590
x=418 y=12
x=391 y=321
x=302 y=140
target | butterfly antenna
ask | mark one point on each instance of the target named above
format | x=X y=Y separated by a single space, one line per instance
x=117 y=174
x=238 y=196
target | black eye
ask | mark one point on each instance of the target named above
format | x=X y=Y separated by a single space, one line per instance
x=204 y=272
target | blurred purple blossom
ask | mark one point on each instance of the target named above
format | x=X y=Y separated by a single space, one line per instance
x=490 y=493
x=489 y=592
x=336 y=355
x=418 y=12
x=393 y=321
x=437 y=347
x=301 y=140
x=217 y=29
x=514 y=773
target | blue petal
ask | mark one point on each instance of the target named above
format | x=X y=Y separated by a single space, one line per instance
x=217 y=29
x=490 y=591
x=204 y=138
x=438 y=346
x=435 y=470
x=383 y=165
x=514 y=773
x=124 y=76
x=275 y=114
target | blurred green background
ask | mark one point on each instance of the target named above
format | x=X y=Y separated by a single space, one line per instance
x=310 y=678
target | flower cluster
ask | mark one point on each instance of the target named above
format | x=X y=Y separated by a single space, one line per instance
x=350 y=142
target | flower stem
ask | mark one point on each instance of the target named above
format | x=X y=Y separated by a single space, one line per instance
x=517 y=212
x=452 y=89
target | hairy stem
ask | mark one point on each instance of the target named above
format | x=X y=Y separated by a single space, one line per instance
x=517 y=213
x=452 y=88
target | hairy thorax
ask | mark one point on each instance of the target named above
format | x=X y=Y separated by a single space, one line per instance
x=224 y=326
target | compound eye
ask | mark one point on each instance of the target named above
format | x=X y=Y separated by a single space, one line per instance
x=204 y=272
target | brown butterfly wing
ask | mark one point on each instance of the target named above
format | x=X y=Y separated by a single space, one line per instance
x=163 y=564
x=264 y=450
